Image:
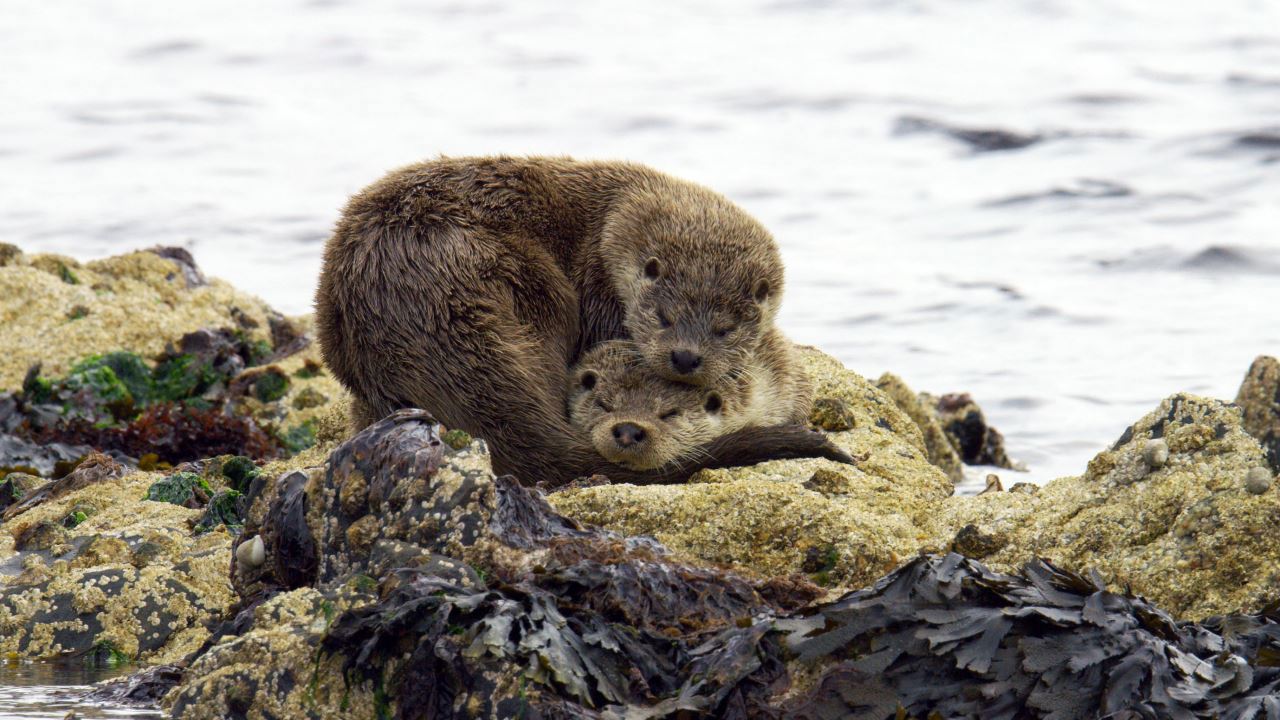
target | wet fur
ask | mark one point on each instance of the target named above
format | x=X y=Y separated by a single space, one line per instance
x=612 y=385
x=469 y=286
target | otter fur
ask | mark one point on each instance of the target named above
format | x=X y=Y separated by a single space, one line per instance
x=469 y=287
x=635 y=418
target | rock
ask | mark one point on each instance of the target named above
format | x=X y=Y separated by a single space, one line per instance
x=941 y=451
x=832 y=415
x=153 y=367
x=131 y=577
x=1186 y=535
x=966 y=427
x=142 y=689
x=468 y=591
x=15 y=486
x=1257 y=480
x=139 y=302
x=45 y=460
x=95 y=468
x=767 y=518
x=1259 y=399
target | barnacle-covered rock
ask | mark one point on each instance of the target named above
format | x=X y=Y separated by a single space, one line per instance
x=140 y=355
x=128 y=581
x=470 y=597
x=941 y=447
x=1259 y=400
x=1184 y=532
x=768 y=518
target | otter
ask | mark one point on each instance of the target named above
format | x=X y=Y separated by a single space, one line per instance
x=635 y=418
x=469 y=286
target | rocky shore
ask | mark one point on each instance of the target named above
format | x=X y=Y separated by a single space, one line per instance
x=178 y=489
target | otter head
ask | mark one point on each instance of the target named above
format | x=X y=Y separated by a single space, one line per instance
x=699 y=279
x=633 y=417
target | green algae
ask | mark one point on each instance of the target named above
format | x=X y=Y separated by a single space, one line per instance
x=300 y=437
x=271 y=385
x=240 y=473
x=456 y=439
x=226 y=507
x=181 y=377
x=106 y=654
x=180 y=488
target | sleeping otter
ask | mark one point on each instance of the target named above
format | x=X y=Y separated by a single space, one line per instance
x=469 y=286
x=635 y=418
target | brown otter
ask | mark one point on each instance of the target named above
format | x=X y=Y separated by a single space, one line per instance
x=635 y=418
x=468 y=286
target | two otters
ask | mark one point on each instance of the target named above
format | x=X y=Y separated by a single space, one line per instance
x=509 y=295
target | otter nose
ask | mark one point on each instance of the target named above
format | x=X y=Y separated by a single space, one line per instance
x=628 y=434
x=685 y=361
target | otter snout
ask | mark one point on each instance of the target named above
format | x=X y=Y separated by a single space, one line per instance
x=628 y=435
x=685 y=361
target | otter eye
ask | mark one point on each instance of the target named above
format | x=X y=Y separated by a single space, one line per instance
x=603 y=406
x=588 y=380
x=722 y=332
x=652 y=268
x=712 y=405
x=669 y=414
x=663 y=320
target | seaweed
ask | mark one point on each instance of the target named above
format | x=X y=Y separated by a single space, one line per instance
x=142 y=689
x=225 y=507
x=173 y=432
x=271 y=385
x=181 y=488
x=587 y=624
x=105 y=654
x=240 y=473
x=299 y=437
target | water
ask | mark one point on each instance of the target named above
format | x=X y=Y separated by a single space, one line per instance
x=42 y=690
x=1069 y=285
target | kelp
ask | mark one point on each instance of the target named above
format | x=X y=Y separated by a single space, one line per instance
x=611 y=627
x=182 y=408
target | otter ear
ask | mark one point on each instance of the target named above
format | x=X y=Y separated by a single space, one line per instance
x=760 y=291
x=652 y=268
x=712 y=403
x=587 y=380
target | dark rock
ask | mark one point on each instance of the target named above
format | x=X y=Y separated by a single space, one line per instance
x=1259 y=401
x=489 y=600
x=43 y=535
x=143 y=689
x=966 y=426
x=191 y=274
x=225 y=507
x=48 y=460
x=15 y=486
x=95 y=468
